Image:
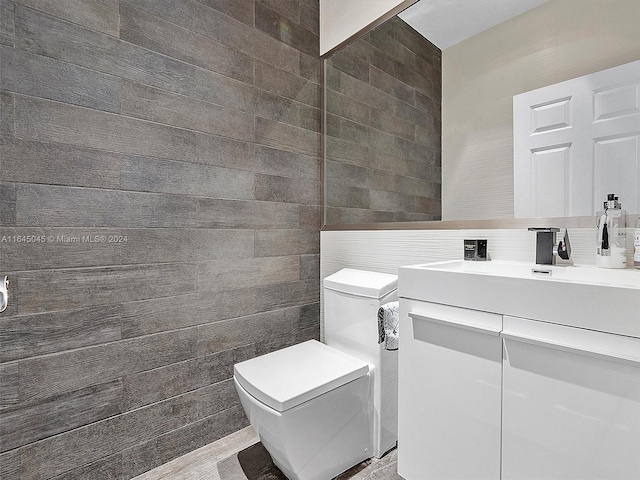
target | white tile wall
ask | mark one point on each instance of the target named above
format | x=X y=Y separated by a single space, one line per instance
x=386 y=250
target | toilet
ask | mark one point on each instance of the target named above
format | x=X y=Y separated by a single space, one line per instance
x=321 y=408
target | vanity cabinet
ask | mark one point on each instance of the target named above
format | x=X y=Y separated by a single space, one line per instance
x=449 y=403
x=571 y=403
x=505 y=375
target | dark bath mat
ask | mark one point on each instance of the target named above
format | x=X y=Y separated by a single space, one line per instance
x=256 y=464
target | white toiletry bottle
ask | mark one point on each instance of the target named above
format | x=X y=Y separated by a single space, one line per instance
x=611 y=223
x=636 y=244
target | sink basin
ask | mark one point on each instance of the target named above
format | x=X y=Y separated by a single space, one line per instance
x=577 y=274
x=605 y=300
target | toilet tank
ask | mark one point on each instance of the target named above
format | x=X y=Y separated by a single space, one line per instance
x=351 y=302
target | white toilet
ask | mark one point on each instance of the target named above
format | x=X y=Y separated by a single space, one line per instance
x=320 y=409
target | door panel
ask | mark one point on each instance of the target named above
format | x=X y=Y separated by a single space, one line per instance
x=596 y=119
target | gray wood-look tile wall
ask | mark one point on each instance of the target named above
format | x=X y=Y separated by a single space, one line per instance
x=159 y=221
x=383 y=144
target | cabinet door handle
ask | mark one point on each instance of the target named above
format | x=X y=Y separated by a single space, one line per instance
x=456 y=324
x=580 y=349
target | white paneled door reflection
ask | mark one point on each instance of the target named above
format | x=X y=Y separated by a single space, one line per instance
x=575 y=142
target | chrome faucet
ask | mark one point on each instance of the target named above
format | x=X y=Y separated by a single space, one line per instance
x=546 y=247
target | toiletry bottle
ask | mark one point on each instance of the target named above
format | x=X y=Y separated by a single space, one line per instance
x=611 y=251
x=636 y=244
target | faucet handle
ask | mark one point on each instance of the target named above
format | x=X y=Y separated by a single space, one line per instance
x=563 y=249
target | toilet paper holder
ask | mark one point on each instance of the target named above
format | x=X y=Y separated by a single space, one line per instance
x=4 y=294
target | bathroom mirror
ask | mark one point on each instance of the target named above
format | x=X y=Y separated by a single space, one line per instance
x=366 y=172
x=382 y=128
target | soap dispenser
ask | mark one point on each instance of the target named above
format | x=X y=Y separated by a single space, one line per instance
x=611 y=223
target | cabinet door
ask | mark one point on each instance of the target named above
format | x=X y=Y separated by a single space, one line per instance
x=449 y=393
x=571 y=403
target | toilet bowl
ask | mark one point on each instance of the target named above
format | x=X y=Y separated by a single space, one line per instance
x=309 y=404
x=321 y=408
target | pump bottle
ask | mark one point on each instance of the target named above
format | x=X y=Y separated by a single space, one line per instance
x=611 y=251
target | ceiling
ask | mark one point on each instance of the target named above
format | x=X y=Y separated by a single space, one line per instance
x=447 y=22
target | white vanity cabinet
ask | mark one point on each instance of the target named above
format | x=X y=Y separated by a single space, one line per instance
x=449 y=399
x=571 y=403
x=507 y=375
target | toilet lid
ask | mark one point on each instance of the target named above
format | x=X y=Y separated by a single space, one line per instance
x=361 y=283
x=293 y=375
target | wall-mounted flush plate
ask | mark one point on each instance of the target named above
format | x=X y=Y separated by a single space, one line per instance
x=4 y=293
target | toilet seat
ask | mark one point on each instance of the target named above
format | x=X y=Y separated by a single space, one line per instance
x=286 y=378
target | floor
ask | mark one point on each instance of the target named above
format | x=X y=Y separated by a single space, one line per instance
x=202 y=464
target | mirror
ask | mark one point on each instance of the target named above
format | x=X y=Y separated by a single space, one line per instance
x=383 y=128
x=474 y=180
